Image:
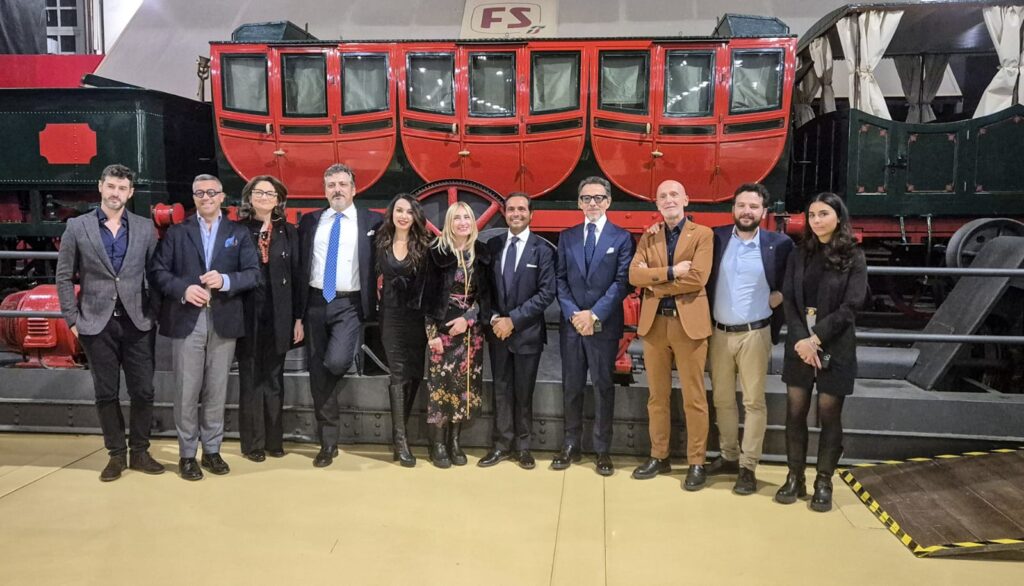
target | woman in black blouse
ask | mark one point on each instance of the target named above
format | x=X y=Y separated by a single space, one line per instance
x=273 y=318
x=402 y=250
x=825 y=283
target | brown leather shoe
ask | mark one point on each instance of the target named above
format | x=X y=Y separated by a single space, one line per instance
x=143 y=462
x=114 y=468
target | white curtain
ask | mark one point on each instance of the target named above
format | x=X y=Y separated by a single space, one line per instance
x=1004 y=25
x=806 y=91
x=365 y=86
x=821 y=54
x=864 y=38
x=556 y=83
x=921 y=76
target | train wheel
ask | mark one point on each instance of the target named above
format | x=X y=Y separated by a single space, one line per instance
x=438 y=196
x=968 y=241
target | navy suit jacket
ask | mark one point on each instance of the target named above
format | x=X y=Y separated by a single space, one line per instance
x=775 y=249
x=367 y=222
x=534 y=289
x=604 y=286
x=180 y=261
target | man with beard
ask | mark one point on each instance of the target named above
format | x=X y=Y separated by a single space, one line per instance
x=746 y=301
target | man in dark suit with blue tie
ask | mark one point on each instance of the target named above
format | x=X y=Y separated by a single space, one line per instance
x=593 y=279
x=338 y=261
x=523 y=286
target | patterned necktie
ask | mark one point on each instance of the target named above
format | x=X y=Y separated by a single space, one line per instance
x=331 y=264
x=590 y=244
x=509 y=270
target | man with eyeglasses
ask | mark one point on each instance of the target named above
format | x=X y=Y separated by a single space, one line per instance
x=202 y=267
x=592 y=274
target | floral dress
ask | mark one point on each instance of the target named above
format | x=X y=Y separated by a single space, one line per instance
x=455 y=375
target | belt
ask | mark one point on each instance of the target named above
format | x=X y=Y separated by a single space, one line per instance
x=754 y=325
x=669 y=311
x=119 y=310
x=338 y=294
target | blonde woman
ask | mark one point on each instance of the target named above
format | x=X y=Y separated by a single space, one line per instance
x=456 y=300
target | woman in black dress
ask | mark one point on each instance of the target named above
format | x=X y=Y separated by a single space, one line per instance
x=273 y=318
x=825 y=284
x=402 y=250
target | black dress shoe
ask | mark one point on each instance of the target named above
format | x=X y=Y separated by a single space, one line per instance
x=143 y=462
x=746 y=482
x=604 y=465
x=569 y=455
x=493 y=457
x=114 y=468
x=278 y=453
x=722 y=466
x=525 y=460
x=215 y=464
x=696 y=478
x=821 y=501
x=793 y=488
x=325 y=457
x=189 y=469
x=651 y=468
x=256 y=455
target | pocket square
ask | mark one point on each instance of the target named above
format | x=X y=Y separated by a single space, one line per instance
x=230 y=242
x=530 y=266
x=371 y=232
x=611 y=250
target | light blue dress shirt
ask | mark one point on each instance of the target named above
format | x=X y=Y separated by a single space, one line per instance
x=209 y=238
x=741 y=293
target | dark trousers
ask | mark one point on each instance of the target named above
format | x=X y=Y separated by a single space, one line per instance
x=580 y=355
x=261 y=393
x=515 y=376
x=122 y=346
x=332 y=337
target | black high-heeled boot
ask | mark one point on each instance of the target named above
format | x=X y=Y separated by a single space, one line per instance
x=399 y=441
x=454 y=449
x=411 y=388
x=438 y=451
x=795 y=485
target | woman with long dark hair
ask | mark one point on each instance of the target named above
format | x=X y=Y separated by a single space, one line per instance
x=402 y=248
x=825 y=284
x=273 y=318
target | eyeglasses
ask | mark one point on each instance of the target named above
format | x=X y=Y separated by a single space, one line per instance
x=261 y=193
x=210 y=193
x=593 y=198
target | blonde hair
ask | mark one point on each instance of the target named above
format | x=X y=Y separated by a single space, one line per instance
x=445 y=241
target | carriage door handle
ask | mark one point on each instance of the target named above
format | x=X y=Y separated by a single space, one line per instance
x=648 y=131
x=270 y=129
x=279 y=153
x=657 y=154
x=463 y=153
x=455 y=127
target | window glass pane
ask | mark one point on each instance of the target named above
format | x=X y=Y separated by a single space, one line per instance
x=68 y=18
x=688 y=87
x=756 y=81
x=68 y=3
x=364 y=83
x=305 y=85
x=67 y=44
x=51 y=18
x=430 y=83
x=245 y=84
x=52 y=46
x=51 y=3
x=624 y=82
x=492 y=84
x=554 y=82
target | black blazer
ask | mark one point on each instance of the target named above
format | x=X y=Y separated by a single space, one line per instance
x=287 y=289
x=535 y=289
x=179 y=261
x=775 y=249
x=840 y=295
x=441 y=269
x=368 y=223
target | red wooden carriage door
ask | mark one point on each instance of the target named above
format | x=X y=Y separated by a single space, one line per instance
x=427 y=111
x=304 y=116
x=243 y=102
x=365 y=132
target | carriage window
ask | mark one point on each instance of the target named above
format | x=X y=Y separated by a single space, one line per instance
x=492 y=84
x=624 y=82
x=756 y=81
x=364 y=84
x=554 y=82
x=430 y=79
x=305 y=85
x=689 y=87
x=245 y=83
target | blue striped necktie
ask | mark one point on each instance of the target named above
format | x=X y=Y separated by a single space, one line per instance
x=331 y=264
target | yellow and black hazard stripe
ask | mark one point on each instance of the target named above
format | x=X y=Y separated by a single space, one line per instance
x=849 y=477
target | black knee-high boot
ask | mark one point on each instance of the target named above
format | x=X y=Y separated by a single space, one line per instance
x=828 y=458
x=399 y=442
x=796 y=455
x=438 y=450
x=454 y=449
x=410 y=397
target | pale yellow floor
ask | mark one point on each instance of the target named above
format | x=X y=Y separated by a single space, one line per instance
x=366 y=521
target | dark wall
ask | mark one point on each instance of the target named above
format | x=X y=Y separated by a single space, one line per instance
x=23 y=27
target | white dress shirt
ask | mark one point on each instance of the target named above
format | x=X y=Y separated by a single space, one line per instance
x=520 y=247
x=600 y=222
x=348 y=250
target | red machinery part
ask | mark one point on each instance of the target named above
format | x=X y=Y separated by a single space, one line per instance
x=44 y=342
x=164 y=216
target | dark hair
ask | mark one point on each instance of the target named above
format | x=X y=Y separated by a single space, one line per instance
x=753 y=188
x=595 y=180
x=839 y=250
x=245 y=207
x=340 y=168
x=419 y=239
x=529 y=202
x=119 y=171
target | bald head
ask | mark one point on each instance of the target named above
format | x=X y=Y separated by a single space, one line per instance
x=671 y=200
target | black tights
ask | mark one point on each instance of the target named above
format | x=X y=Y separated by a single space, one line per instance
x=830 y=418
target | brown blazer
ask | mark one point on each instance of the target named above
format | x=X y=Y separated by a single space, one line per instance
x=696 y=244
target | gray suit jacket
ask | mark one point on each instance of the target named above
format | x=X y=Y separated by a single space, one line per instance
x=82 y=253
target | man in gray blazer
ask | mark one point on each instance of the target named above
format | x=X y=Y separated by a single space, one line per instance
x=109 y=250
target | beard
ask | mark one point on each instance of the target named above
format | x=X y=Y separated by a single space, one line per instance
x=754 y=223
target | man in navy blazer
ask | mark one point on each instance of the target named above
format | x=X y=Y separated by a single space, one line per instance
x=744 y=291
x=202 y=267
x=338 y=262
x=593 y=279
x=523 y=285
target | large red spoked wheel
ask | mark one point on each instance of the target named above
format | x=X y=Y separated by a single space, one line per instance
x=438 y=196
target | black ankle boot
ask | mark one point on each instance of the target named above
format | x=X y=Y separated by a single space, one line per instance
x=822 y=499
x=400 y=444
x=454 y=449
x=795 y=487
x=438 y=451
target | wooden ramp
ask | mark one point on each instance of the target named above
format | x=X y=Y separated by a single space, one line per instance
x=949 y=505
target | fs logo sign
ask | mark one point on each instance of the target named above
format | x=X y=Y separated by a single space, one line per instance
x=509 y=19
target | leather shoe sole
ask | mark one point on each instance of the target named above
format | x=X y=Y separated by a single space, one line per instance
x=494 y=457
